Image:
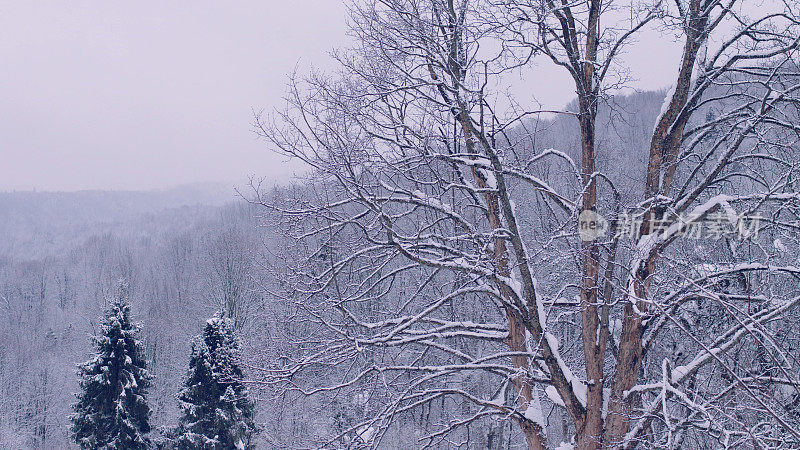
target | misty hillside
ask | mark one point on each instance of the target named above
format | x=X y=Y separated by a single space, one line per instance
x=180 y=253
x=44 y=223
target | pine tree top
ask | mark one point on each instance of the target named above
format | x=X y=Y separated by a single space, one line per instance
x=112 y=407
x=214 y=399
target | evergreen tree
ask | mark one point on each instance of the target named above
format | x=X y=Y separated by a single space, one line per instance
x=112 y=410
x=216 y=411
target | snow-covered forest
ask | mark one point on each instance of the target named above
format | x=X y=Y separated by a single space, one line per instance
x=183 y=255
x=459 y=266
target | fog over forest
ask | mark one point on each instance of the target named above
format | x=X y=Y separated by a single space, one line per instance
x=454 y=264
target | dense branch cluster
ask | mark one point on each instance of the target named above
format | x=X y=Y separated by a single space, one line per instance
x=433 y=270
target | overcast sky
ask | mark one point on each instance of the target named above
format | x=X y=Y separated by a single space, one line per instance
x=152 y=94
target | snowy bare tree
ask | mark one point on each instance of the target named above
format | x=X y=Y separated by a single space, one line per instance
x=435 y=266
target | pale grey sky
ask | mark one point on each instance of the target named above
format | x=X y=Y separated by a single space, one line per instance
x=150 y=94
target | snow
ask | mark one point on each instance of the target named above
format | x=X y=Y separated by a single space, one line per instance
x=664 y=105
x=491 y=181
x=559 y=153
x=515 y=285
x=534 y=414
x=361 y=398
x=578 y=387
x=552 y=394
x=774 y=95
x=365 y=433
x=788 y=390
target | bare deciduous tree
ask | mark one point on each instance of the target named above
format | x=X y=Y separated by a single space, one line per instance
x=437 y=258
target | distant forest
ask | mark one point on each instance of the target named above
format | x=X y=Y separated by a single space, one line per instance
x=184 y=254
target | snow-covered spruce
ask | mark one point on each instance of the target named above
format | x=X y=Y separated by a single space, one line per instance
x=112 y=410
x=216 y=413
